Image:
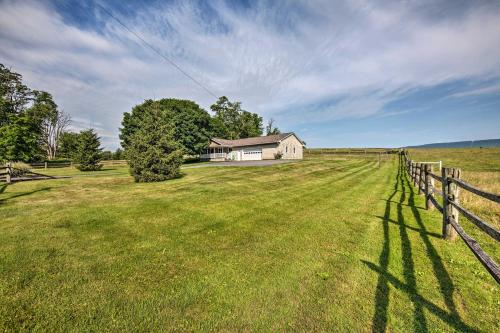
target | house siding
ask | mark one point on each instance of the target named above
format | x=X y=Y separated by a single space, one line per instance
x=268 y=150
x=291 y=148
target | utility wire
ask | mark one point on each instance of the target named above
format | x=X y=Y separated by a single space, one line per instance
x=170 y=61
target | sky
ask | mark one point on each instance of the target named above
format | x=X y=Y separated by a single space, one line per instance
x=350 y=73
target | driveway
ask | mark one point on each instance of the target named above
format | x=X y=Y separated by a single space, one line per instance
x=240 y=163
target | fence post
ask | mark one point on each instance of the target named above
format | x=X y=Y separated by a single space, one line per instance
x=417 y=170
x=450 y=193
x=45 y=164
x=421 y=183
x=429 y=187
x=8 y=178
x=412 y=167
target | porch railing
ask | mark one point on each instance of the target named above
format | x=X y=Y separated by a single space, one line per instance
x=213 y=155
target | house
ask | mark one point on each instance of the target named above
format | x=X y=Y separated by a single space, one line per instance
x=256 y=148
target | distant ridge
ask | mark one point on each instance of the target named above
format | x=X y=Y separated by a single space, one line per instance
x=461 y=144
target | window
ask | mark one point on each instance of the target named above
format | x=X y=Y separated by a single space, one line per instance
x=286 y=149
x=294 y=150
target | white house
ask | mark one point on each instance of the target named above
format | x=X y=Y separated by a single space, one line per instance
x=256 y=148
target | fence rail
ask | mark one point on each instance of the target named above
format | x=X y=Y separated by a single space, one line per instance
x=423 y=178
x=13 y=174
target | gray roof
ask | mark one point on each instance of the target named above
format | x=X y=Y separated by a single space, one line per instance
x=258 y=140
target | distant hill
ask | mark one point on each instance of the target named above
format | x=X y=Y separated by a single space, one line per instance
x=461 y=144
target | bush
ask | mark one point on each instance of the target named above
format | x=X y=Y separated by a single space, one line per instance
x=278 y=155
x=152 y=154
x=20 y=169
x=88 y=153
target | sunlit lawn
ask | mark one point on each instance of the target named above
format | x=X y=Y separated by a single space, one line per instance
x=327 y=244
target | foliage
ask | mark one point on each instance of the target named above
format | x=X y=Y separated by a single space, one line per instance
x=107 y=155
x=14 y=95
x=152 y=153
x=18 y=131
x=190 y=123
x=118 y=154
x=18 y=139
x=271 y=129
x=278 y=155
x=51 y=122
x=231 y=122
x=68 y=144
x=88 y=153
x=30 y=124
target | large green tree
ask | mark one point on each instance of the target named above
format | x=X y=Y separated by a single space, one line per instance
x=190 y=123
x=50 y=122
x=68 y=144
x=30 y=123
x=88 y=153
x=18 y=131
x=152 y=153
x=232 y=122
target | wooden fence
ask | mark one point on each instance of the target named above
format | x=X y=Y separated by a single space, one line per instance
x=65 y=164
x=423 y=177
x=10 y=174
x=349 y=151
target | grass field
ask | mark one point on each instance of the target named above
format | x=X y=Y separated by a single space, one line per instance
x=326 y=244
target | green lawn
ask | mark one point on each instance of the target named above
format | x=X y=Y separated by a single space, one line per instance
x=327 y=244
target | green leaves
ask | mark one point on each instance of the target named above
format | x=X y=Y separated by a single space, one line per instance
x=190 y=123
x=153 y=154
x=232 y=122
x=88 y=153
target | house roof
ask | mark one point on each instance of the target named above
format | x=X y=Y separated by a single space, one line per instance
x=258 y=140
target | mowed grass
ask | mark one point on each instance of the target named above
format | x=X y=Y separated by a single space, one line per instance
x=326 y=244
x=481 y=168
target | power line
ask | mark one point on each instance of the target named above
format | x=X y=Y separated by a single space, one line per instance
x=170 y=61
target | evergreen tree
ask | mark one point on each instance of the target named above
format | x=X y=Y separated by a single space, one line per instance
x=88 y=153
x=191 y=124
x=152 y=153
x=68 y=144
x=118 y=154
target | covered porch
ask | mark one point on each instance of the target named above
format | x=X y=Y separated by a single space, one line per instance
x=219 y=153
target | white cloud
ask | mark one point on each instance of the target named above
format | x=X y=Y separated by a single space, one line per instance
x=285 y=60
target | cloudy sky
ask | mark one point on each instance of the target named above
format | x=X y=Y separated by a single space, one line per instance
x=339 y=73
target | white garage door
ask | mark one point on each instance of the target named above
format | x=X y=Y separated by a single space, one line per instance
x=252 y=154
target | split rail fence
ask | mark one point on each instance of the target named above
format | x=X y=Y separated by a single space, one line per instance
x=10 y=174
x=423 y=177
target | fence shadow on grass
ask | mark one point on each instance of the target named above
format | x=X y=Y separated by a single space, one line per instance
x=3 y=187
x=3 y=200
x=409 y=283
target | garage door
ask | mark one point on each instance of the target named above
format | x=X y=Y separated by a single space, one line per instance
x=252 y=154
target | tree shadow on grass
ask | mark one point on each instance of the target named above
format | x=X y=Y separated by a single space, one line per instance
x=409 y=285
x=4 y=200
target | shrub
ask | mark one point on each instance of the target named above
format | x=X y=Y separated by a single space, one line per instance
x=88 y=153
x=20 y=169
x=278 y=155
x=153 y=155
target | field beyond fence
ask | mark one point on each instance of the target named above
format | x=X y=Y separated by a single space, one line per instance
x=423 y=177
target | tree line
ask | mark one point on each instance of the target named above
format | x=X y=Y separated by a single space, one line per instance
x=155 y=135
x=33 y=128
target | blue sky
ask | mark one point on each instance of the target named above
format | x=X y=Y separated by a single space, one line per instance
x=339 y=73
